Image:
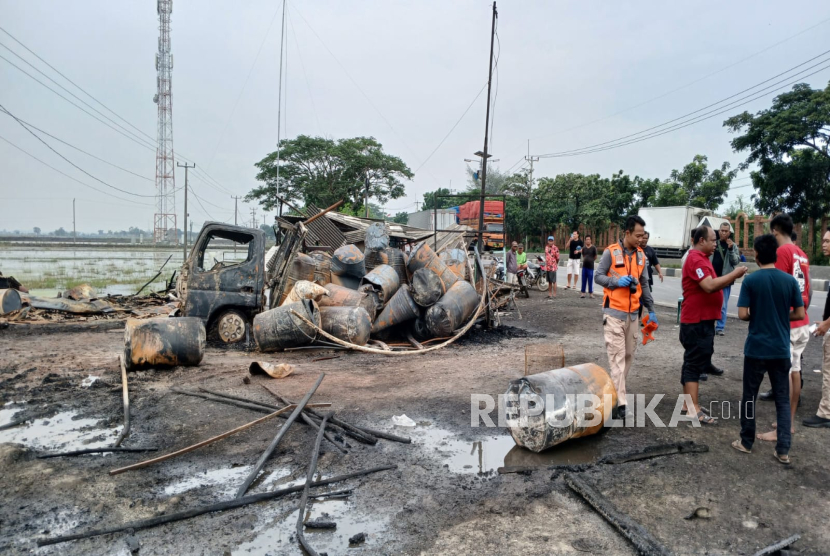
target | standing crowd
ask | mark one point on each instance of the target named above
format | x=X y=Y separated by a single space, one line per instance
x=774 y=300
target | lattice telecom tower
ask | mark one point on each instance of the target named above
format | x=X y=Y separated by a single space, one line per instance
x=165 y=216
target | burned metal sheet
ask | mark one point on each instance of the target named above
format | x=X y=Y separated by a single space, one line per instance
x=93 y=307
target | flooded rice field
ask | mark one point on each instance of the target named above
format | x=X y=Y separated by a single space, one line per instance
x=48 y=270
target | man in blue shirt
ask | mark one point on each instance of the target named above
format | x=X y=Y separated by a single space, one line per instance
x=769 y=300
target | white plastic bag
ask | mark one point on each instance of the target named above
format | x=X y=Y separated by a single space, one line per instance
x=402 y=421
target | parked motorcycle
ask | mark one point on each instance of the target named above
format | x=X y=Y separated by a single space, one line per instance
x=533 y=275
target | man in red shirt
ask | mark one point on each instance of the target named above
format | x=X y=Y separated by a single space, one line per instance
x=793 y=261
x=702 y=303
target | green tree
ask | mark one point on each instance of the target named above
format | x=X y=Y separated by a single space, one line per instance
x=790 y=144
x=269 y=231
x=432 y=201
x=695 y=185
x=496 y=181
x=322 y=171
x=36 y=230
x=401 y=218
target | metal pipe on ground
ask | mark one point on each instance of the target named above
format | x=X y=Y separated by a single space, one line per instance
x=312 y=468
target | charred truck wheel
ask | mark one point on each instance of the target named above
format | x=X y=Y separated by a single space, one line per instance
x=230 y=326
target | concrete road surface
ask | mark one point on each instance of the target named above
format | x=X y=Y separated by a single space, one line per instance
x=667 y=292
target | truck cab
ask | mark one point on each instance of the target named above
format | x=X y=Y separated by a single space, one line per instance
x=222 y=281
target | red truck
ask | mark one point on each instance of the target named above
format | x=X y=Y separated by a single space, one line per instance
x=493 y=221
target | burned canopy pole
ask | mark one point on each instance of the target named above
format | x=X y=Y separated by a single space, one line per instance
x=271 y=447
x=154 y=277
x=93 y=451
x=777 y=547
x=126 y=398
x=312 y=468
x=218 y=507
x=311 y=423
x=630 y=529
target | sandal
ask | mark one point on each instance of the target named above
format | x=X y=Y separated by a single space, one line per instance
x=785 y=459
x=705 y=419
x=581 y=297
x=738 y=445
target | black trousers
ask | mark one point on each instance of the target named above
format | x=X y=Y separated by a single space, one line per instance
x=779 y=376
x=698 y=341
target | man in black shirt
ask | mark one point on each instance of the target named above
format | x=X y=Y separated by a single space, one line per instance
x=574 y=255
x=725 y=258
x=822 y=416
x=652 y=262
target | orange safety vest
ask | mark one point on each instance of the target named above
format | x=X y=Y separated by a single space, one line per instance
x=621 y=299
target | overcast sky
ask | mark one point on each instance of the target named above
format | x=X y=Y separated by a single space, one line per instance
x=404 y=73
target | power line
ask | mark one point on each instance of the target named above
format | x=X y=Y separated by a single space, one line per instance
x=614 y=143
x=244 y=85
x=305 y=75
x=451 y=129
x=35 y=135
x=690 y=83
x=70 y=145
x=71 y=177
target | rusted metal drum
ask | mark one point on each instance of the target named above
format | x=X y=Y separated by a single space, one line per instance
x=419 y=329
x=348 y=261
x=351 y=324
x=452 y=310
x=424 y=257
x=279 y=328
x=9 y=301
x=322 y=267
x=427 y=287
x=163 y=342
x=401 y=308
x=346 y=281
x=375 y=258
x=345 y=297
x=376 y=237
x=456 y=260
x=383 y=279
x=538 y=428
x=302 y=268
x=395 y=258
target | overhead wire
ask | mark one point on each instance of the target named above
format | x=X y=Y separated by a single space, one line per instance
x=61 y=172
x=70 y=145
x=102 y=182
x=305 y=75
x=620 y=141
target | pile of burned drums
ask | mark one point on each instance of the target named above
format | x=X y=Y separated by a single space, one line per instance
x=377 y=293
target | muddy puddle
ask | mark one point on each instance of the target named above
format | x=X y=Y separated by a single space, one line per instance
x=277 y=534
x=63 y=431
x=224 y=482
x=485 y=454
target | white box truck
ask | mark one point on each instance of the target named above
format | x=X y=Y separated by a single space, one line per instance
x=670 y=227
x=426 y=220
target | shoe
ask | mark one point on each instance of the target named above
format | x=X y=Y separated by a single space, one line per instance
x=715 y=371
x=703 y=377
x=621 y=412
x=815 y=421
x=719 y=332
x=767 y=396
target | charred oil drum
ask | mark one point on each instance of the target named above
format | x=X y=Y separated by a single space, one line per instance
x=382 y=279
x=302 y=268
x=424 y=257
x=452 y=310
x=401 y=308
x=376 y=237
x=560 y=391
x=9 y=301
x=322 y=267
x=351 y=324
x=427 y=287
x=456 y=260
x=419 y=329
x=345 y=297
x=375 y=258
x=348 y=261
x=279 y=328
x=395 y=259
x=163 y=342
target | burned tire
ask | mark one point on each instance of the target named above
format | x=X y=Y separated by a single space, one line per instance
x=230 y=326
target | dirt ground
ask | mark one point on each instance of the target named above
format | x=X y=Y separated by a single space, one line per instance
x=445 y=495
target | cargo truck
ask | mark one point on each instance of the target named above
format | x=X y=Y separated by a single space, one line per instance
x=670 y=227
x=493 y=236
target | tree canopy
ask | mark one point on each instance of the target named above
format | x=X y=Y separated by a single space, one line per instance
x=695 y=185
x=322 y=171
x=789 y=143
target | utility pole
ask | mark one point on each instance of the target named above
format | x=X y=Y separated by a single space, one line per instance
x=366 y=197
x=184 y=222
x=235 y=210
x=531 y=160
x=74 y=235
x=253 y=217
x=484 y=154
x=283 y=41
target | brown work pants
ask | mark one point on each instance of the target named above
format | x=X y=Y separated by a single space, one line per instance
x=824 y=405
x=621 y=344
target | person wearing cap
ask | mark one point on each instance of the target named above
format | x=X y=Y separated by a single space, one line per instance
x=551 y=264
